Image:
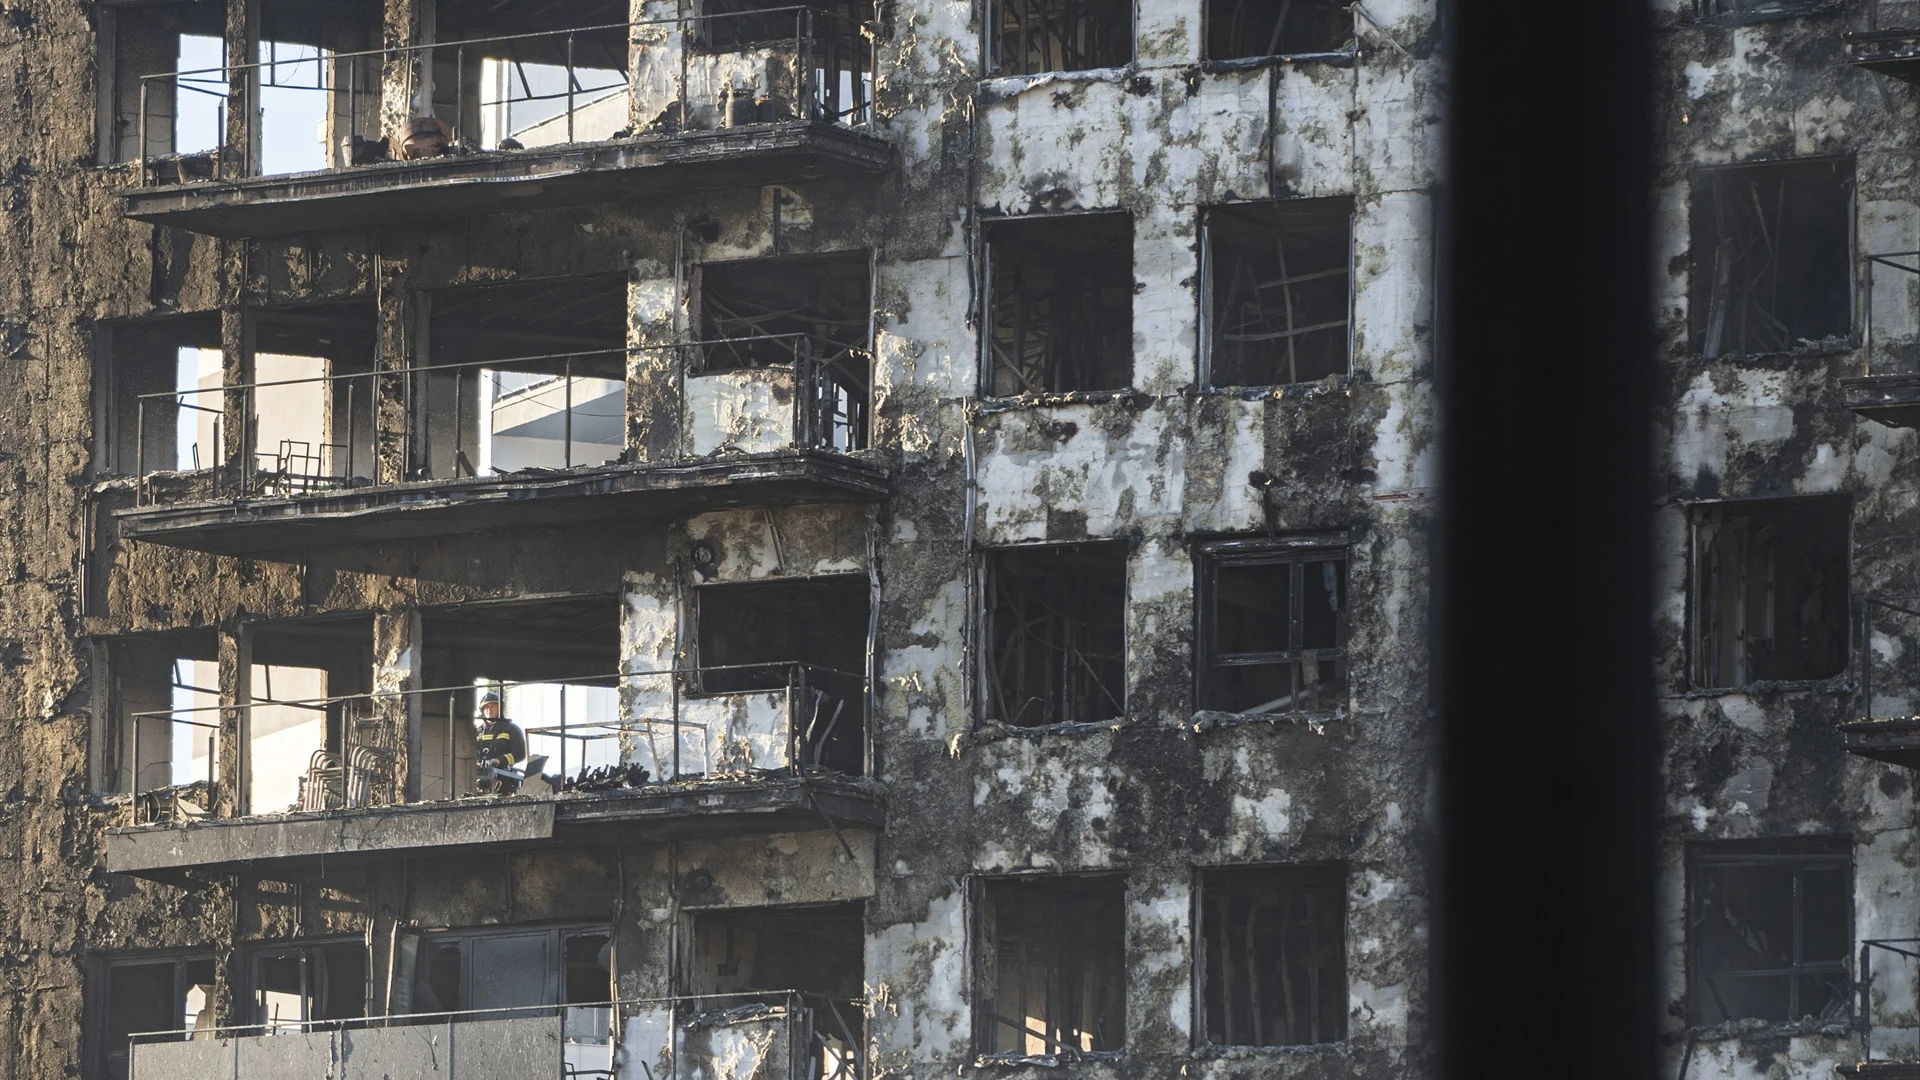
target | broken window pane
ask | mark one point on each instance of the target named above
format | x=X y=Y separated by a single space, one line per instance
x=812 y=313
x=307 y=984
x=1772 y=256
x=154 y=417
x=807 y=633
x=1060 y=305
x=1273 y=950
x=1031 y=37
x=487 y=90
x=1770 y=931
x=1279 y=291
x=1273 y=628
x=815 y=949
x=141 y=995
x=158 y=40
x=1056 y=633
x=313 y=408
x=1052 y=965
x=1237 y=29
x=526 y=375
x=1771 y=590
x=294 y=739
x=162 y=719
x=521 y=650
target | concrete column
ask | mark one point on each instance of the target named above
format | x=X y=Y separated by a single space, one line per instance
x=237 y=339
x=655 y=376
x=395 y=350
x=396 y=672
x=406 y=80
x=243 y=85
x=236 y=693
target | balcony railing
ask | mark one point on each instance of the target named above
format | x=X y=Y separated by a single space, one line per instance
x=801 y=65
x=825 y=393
x=777 y=1035
x=732 y=721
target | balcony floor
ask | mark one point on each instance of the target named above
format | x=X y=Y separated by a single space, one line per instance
x=1895 y=741
x=1894 y=53
x=337 y=517
x=399 y=192
x=655 y=812
x=1893 y=400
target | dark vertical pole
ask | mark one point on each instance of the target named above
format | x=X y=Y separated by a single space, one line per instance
x=1544 y=932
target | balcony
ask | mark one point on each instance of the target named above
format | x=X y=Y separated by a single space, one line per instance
x=706 y=751
x=751 y=98
x=1889 y=42
x=1889 y=395
x=782 y=1035
x=549 y=451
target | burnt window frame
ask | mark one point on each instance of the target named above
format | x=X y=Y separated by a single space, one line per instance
x=1727 y=12
x=1697 y=631
x=982 y=966
x=1335 y=875
x=98 y=997
x=1700 y=270
x=990 y=33
x=308 y=949
x=556 y=988
x=1209 y=251
x=985 y=711
x=1294 y=552
x=988 y=297
x=1800 y=853
x=1207 y=16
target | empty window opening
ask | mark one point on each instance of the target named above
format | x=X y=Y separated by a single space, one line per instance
x=185 y=113
x=1770 y=927
x=1056 y=633
x=1060 y=305
x=570 y=968
x=1052 y=965
x=163 y=696
x=319 y=87
x=808 y=636
x=1031 y=37
x=311 y=743
x=1279 y=287
x=812 y=314
x=1273 y=955
x=312 y=404
x=767 y=955
x=162 y=409
x=528 y=375
x=516 y=75
x=310 y=983
x=140 y=995
x=1274 y=622
x=1772 y=256
x=551 y=661
x=1770 y=590
x=1240 y=29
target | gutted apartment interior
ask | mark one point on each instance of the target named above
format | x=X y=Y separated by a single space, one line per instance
x=942 y=496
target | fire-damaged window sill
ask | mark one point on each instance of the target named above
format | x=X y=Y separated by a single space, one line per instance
x=1838 y=686
x=1316 y=722
x=1768 y=1029
x=1049 y=1061
x=1136 y=400
x=1333 y=386
x=1210 y=1052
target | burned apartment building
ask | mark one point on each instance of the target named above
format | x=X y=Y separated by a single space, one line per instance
x=943 y=487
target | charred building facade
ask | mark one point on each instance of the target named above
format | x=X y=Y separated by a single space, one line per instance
x=941 y=487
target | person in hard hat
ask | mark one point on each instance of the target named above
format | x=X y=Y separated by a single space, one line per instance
x=500 y=744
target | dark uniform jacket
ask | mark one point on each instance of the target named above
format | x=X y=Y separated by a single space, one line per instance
x=502 y=738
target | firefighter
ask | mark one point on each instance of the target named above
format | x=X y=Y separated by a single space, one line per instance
x=500 y=744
